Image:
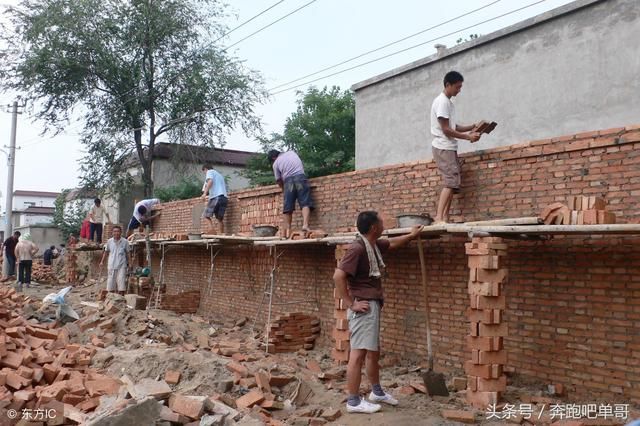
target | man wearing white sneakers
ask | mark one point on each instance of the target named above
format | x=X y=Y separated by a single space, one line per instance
x=358 y=280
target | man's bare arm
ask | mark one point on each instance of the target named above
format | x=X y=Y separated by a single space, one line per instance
x=461 y=128
x=449 y=132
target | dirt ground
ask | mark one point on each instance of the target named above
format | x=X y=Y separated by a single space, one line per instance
x=147 y=343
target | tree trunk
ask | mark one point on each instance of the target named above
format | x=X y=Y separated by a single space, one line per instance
x=145 y=162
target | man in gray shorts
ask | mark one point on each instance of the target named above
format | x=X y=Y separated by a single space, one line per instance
x=445 y=130
x=214 y=192
x=358 y=280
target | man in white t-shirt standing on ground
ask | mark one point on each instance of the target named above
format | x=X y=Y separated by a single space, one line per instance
x=446 y=131
x=118 y=249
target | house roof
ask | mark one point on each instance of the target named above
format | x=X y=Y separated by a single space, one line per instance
x=36 y=210
x=203 y=154
x=80 y=194
x=36 y=194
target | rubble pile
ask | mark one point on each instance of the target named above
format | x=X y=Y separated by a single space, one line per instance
x=42 y=369
x=42 y=273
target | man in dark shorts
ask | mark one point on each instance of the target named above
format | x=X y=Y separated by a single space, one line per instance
x=358 y=280
x=214 y=192
x=289 y=173
x=445 y=130
x=142 y=214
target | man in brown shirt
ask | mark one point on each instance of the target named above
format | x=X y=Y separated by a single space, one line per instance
x=358 y=279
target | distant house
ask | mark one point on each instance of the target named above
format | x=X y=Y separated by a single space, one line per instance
x=172 y=162
x=31 y=207
x=175 y=162
x=33 y=213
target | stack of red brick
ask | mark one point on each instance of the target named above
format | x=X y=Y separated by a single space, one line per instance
x=589 y=211
x=340 y=334
x=580 y=210
x=42 y=369
x=292 y=332
x=488 y=274
x=43 y=274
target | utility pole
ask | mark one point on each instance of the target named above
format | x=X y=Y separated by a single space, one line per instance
x=11 y=163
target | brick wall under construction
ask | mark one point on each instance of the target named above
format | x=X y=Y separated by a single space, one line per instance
x=573 y=303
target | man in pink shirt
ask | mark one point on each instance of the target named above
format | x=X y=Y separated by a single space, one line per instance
x=289 y=173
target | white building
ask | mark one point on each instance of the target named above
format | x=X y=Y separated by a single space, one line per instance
x=31 y=207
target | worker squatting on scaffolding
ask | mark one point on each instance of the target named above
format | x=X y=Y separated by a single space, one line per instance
x=358 y=280
x=142 y=214
x=445 y=132
x=289 y=173
x=214 y=194
x=119 y=252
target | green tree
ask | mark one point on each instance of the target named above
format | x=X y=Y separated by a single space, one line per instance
x=186 y=188
x=68 y=215
x=138 y=70
x=321 y=131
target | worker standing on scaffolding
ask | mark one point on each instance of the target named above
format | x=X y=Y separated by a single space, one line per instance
x=446 y=131
x=289 y=173
x=358 y=280
x=119 y=250
x=214 y=193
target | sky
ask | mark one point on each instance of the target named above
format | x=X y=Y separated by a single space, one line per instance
x=324 y=33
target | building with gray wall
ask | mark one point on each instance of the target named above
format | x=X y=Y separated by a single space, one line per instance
x=572 y=69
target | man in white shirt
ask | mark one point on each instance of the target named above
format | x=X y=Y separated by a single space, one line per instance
x=142 y=214
x=446 y=131
x=96 y=218
x=25 y=250
x=118 y=249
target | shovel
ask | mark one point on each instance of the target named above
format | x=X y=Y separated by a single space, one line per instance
x=434 y=382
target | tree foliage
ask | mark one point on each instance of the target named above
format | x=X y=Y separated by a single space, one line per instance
x=138 y=70
x=68 y=216
x=183 y=190
x=321 y=131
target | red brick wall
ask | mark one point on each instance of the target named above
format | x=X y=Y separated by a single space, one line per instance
x=573 y=303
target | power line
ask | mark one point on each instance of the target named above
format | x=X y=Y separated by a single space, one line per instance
x=408 y=48
x=272 y=23
x=386 y=45
x=247 y=21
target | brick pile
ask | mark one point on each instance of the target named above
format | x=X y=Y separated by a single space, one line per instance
x=579 y=210
x=340 y=334
x=292 y=332
x=488 y=274
x=589 y=211
x=43 y=273
x=182 y=303
x=42 y=369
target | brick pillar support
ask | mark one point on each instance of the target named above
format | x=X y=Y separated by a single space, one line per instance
x=340 y=334
x=488 y=274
